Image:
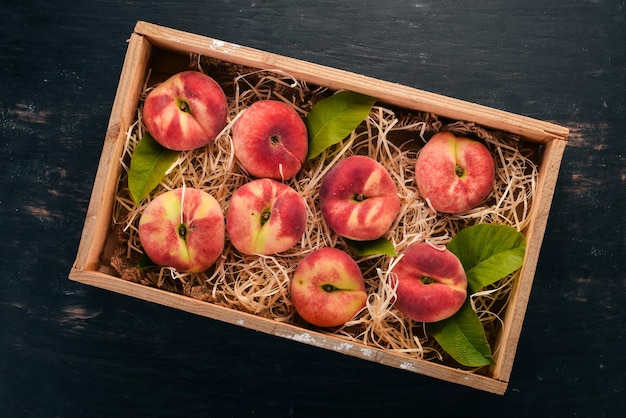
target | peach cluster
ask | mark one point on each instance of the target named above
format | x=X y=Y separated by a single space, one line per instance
x=186 y=229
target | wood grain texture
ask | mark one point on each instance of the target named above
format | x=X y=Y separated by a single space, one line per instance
x=179 y=41
x=138 y=64
x=123 y=114
x=516 y=311
x=68 y=349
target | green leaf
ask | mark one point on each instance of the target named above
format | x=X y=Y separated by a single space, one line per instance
x=380 y=246
x=488 y=253
x=462 y=336
x=334 y=118
x=148 y=164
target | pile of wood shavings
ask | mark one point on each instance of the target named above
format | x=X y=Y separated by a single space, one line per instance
x=393 y=137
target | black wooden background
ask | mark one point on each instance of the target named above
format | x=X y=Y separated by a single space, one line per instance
x=68 y=350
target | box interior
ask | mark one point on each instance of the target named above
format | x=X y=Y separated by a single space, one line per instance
x=103 y=241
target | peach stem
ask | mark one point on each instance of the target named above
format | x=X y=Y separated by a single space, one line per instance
x=265 y=216
x=182 y=231
x=183 y=105
x=328 y=288
x=427 y=280
x=458 y=170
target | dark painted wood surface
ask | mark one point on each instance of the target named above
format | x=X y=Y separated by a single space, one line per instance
x=71 y=350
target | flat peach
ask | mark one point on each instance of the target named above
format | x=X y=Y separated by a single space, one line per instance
x=183 y=230
x=358 y=198
x=270 y=140
x=327 y=288
x=455 y=174
x=187 y=111
x=265 y=217
x=432 y=284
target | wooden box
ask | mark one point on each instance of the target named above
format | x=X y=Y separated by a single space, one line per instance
x=155 y=52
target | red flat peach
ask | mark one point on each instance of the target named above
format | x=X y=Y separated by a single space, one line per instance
x=270 y=140
x=187 y=111
x=358 y=199
x=432 y=284
x=454 y=173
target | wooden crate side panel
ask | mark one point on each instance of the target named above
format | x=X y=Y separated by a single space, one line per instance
x=288 y=331
x=548 y=175
x=123 y=114
x=392 y=93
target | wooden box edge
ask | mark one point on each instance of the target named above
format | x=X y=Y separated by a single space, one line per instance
x=516 y=311
x=392 y=93
x=147 y=36
x=99 y=211
x=287 y=331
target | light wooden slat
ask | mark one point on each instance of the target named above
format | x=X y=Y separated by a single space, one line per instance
x=123 y=113
x=288 y=331
x=392 y=93
x=516 y=310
